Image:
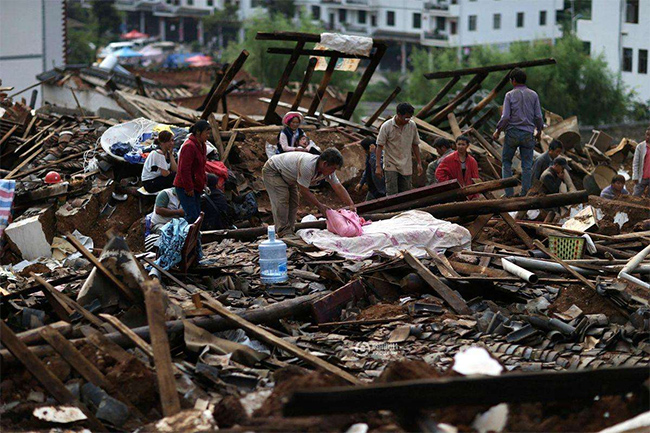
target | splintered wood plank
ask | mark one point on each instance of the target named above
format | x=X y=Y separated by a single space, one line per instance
x=216 y=134
x=50 y=382
x=449 y=296
x=329 y=307
x=107 y=346
x=231 y=141
x=128 y=333
x=477 y=226
x=263 y=335
x=85 y=368
x=102 y=269
x=521 y=234
x=161 y=352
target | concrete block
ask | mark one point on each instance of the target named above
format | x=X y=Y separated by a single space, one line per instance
x=31 y=235
x=112 y=411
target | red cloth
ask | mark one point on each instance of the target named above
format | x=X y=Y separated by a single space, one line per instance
x=191 y=166
x=219 y=169
x=450 y=168
x=646 y=164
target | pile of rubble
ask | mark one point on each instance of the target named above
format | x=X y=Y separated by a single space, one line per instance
x=513 y=333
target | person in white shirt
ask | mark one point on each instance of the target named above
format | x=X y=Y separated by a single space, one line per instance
x=160 y=166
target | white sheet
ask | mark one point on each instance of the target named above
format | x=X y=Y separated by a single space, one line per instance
x=355 y=45
x=412 y=231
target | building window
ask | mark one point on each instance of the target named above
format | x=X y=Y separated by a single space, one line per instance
x=643 y=61
x=315 y=12
x=472 y=23
x=453 y=27
x=190 y=2
x=496 y=21
x=627 y=59
x=440 y=23
x=632 y=11
x=520 y=19
x=373 y=20
x=343 y=15
x=542 y=18
x=390 y=18
x=417 y=21
x=586 y=47
x=210 y=3
x=362 y=17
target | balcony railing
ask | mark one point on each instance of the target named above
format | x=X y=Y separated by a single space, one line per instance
x=436 y=5
x=436 y=36
x=357 y=2
x=357 y=28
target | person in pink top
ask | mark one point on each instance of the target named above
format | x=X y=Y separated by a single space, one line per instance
x=641 y=167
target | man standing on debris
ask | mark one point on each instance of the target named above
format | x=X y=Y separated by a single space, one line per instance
x=553 y=177
x=190 y=179
x=286 y=174
x=444 y=147
x=641 y=167
x=376 y=186
x=398 y=139
x=522 y=113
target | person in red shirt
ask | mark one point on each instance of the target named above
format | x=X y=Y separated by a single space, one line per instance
x=458 y=165
x=191 y=178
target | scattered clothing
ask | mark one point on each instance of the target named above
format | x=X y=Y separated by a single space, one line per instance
x=452 y=168
x=344 y=222
x=398 y=143
x=243 y=207
x=220 y=170
x=521 y=110
x=134 y=157
x=120 y=148
x=376 y=185
x=414 y=231
x=170 y=244
x=525 y=142
x=433 y=166
x=610 y=193
x=7 y=191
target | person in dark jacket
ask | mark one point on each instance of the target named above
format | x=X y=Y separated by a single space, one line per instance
x=545 y=159
x=292 y=138
x=214 y=206
x=376 y=185
x=190 y=179
x=444 y=147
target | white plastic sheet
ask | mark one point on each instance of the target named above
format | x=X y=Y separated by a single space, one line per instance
x=414 y=231
x=355 y=45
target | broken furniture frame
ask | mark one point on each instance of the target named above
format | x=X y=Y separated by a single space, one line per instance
x=271 y=117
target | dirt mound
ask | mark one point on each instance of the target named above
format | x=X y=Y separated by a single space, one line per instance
x=584 y=298
x=381 y=311
x=136 y=382
x=408 y=370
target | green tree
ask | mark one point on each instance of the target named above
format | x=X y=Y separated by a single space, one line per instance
x=108 y=18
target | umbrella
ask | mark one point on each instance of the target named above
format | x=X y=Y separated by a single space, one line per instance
x=134 y=34
x=151 y=51
x=126 y=52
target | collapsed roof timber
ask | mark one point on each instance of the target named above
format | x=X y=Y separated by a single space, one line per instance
x=544 y=307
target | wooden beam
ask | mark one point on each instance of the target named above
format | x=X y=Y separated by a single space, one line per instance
x=271 y=116
x=33 y=154
x=486 y=145
x=569 y=269
x=489 y=98
x=305 y=83
x=213 y=103
x=479 y=223
x=8 y=134
x=128 y=333
x=470 y=391
x=322 y=87
x=126 y=291
x=85 y=368
x=424 y=111
x=484 y=118
x=453 y=124
x=470 y=88
x=49 y=164
x=380 y=50
x=216 y=134
x=383 y=106
x=231 y=142
x=521 y=234
x=160 y=344
x=452 y=299
x=318 y=53
x=266 y=337
x=488 y=69
x=50 y=382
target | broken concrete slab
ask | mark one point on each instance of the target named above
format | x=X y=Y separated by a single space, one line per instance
x=31 y=235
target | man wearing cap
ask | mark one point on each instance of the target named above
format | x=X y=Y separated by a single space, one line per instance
x=398 y=139
x=553 y=177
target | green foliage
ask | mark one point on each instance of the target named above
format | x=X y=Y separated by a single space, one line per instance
x=108 y=18
x=99 y=26
x=577 y=85
x=268 y=68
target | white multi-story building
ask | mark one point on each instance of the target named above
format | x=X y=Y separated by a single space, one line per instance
x=620 y=31
x=32 y=40
x=179 y=20
x=441 y=23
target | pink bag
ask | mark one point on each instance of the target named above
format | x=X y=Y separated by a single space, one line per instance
x=344 y=223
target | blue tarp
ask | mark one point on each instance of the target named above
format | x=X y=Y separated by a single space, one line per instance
x=178 y=60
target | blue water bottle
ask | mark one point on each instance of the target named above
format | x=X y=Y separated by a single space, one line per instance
x=273 y=259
